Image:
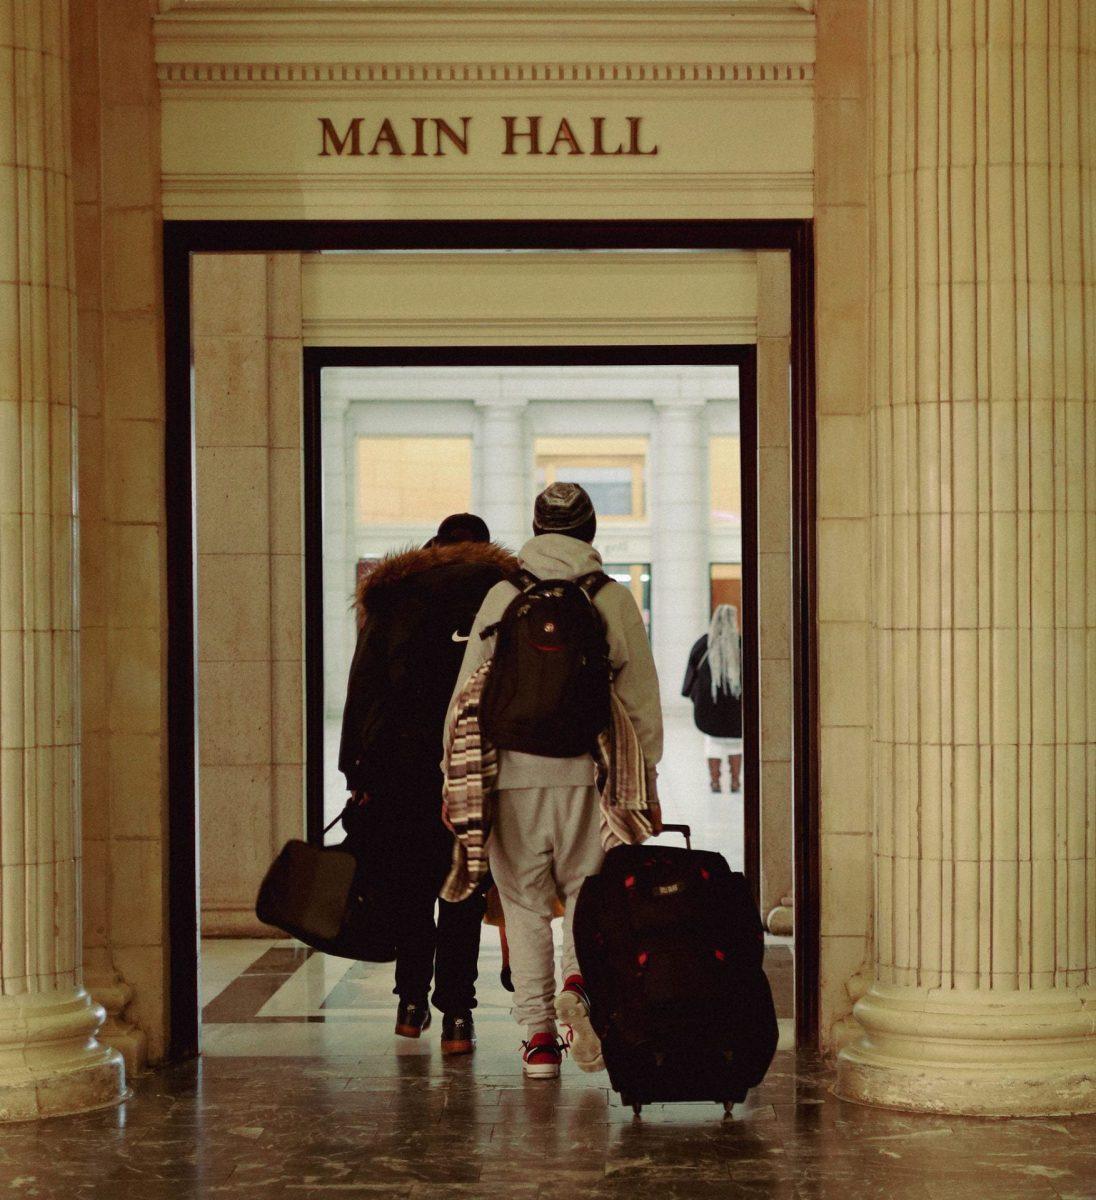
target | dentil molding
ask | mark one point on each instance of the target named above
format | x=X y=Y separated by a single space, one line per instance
x=265 y=74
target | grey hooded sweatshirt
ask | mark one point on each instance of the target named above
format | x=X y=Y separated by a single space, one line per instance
x=556 y=556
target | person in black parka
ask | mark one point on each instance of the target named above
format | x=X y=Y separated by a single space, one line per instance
x=415 y=610
x=713 y=682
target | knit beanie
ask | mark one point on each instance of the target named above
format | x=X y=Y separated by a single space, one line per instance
x=563 y=508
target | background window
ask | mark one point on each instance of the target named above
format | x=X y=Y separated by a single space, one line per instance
x=612 y=470
x=725 y=479
x=413 y=480
x=636 y=577
x=726 y=586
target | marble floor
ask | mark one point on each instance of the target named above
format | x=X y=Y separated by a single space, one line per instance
x=304 y=1093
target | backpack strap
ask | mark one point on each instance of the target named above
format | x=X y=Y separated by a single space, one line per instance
x=524 y=581
x=592 y=583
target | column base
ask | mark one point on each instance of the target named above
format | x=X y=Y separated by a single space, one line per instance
x=50 y=1063
x=978 y=1053
x=781 y=920
x=109 y=989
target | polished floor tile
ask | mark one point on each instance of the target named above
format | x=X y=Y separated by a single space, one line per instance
x=298 y=1097
x=410 y=1124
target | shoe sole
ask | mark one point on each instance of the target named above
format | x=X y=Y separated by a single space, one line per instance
x=586 y=1045
x=412 y=1031
x=541 y=1070
x=465 y=1047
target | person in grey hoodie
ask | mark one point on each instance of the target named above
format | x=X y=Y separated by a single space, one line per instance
x=546 y=834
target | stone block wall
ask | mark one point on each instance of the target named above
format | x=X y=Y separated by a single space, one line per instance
x=249 y=518
x=843 y=505
x=120 y=397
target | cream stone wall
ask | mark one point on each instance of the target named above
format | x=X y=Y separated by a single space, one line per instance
x=711 y=82
x=120 y=391
x=774 y=585
x=250 y=609
x=549 y=297
x=845 y=683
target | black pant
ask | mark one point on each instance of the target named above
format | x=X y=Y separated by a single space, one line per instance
x=421 y=851
x=401 y=841
x=449 y=950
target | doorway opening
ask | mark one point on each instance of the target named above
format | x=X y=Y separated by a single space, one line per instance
x=617 y=469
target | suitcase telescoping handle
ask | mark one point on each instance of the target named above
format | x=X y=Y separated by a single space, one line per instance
x=685 y=831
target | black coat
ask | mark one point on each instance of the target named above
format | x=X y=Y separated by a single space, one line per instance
x=412 y=608
x=719 y=717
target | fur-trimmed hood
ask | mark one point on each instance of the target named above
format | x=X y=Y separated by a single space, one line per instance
x=382 y=584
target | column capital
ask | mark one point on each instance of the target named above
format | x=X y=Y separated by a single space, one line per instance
x=687 y=400
x=500 y=402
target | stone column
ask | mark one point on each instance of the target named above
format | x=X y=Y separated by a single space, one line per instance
x=984 y=533
x=502 y=465
x=50 y=1062
x=680 y=584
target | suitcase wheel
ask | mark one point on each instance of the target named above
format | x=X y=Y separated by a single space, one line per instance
x=637 y=1109
x=728 y=1109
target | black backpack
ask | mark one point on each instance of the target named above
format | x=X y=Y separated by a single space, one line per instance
x=548 y=690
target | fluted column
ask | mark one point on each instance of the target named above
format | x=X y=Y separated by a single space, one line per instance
x=502 y=464
x=680 y=580
x=984 y=454
x=49 y=1060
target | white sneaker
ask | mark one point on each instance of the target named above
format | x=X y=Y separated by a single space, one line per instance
x=573 y=1010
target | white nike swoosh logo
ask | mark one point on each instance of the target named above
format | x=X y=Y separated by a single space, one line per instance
x=458 y=637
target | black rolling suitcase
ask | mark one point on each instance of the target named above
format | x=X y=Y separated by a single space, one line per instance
x=670 y=946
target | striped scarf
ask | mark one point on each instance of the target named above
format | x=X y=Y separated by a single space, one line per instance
x=468 y=794
x=625 y=785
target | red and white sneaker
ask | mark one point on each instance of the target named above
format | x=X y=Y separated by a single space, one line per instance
x=573 y=1010
x=542 y=1055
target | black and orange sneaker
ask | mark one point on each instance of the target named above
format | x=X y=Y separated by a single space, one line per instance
x=573 y=1010
x=542 y=1055
x=458 y=1033
x=412 y=1017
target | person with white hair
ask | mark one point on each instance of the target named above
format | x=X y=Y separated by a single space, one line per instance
x=713 y=682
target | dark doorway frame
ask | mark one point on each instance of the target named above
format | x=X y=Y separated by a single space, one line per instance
x=181 y=239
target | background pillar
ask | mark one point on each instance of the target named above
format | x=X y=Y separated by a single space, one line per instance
x=50 y=1062
x=680 y=586
x=984 y=608
x=502 y=470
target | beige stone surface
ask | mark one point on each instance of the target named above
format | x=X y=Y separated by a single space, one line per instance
x=235 y=591
x=50 y=1059
x=712 y=84
x=983 y=960
x=842 y=301
x=774 y=576
x=247 y=354
x=115 y=139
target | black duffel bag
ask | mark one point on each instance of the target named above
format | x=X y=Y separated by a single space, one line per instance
x=332 y=898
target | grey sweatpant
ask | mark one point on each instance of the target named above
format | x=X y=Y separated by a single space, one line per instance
x=544 y=843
